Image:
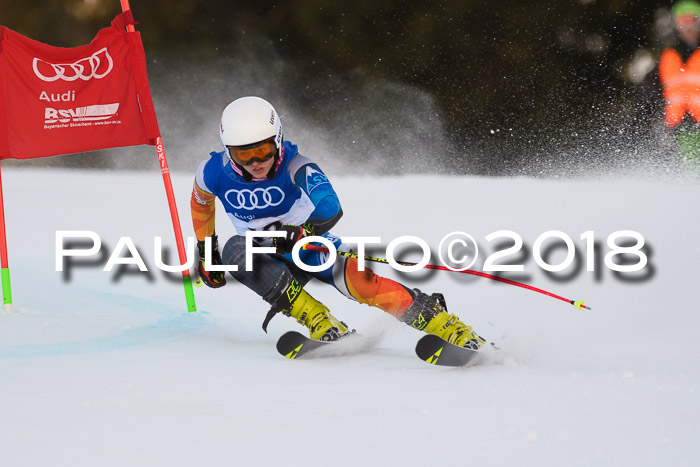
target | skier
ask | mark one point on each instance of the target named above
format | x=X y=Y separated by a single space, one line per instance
x=679 y=75
x=264 y=183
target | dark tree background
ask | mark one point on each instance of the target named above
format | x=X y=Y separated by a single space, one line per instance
x=514 y=82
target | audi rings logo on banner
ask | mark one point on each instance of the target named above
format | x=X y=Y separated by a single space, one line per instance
x=97 y=65
x=259 y=198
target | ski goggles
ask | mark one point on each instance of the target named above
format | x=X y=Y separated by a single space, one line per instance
x=258 y=152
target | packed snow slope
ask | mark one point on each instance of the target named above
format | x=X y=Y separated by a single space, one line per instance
x=108 y=368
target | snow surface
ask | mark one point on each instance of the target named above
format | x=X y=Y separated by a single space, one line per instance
x=108 y=369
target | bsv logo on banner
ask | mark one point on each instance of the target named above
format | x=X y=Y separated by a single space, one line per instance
x=259 y=198
x=90 y=113
x=97 y=65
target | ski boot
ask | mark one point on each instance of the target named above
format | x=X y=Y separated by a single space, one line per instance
x=429 y=313
x=323 y=326
x=295 y=302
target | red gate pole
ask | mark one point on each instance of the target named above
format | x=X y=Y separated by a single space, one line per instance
x=4 y=268
x=163 y=162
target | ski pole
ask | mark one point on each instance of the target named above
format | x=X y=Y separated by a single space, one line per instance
x=578 y=304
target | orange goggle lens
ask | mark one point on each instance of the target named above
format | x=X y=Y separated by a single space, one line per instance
x=263 y=152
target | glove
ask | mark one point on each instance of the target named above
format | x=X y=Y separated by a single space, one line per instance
x=294 y=233
x=213 y=279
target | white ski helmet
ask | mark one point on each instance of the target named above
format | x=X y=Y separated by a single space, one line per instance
x=248 y=122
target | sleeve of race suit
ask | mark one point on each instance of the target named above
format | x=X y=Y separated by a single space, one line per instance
x=202 y=205
x=316 y=185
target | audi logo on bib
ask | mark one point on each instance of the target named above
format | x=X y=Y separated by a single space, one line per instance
x=259 y=198
x=97 y=65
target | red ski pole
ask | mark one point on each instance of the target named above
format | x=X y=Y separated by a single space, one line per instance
x=578 y=304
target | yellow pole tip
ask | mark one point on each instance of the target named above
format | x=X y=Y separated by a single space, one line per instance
x=579 y=305
x=198 y=282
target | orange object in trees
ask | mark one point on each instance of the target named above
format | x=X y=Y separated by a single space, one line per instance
x=681 y=85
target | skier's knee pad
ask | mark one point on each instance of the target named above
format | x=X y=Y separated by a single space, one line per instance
x=374 y=290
